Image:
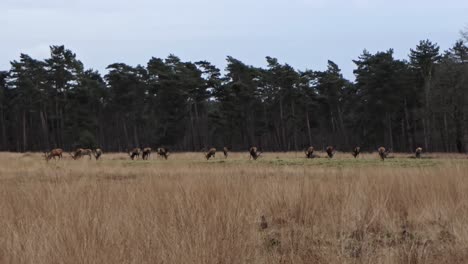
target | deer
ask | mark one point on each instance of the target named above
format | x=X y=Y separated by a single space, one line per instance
x=356 y=152
x=134 y=153
x=97 y=153
x=146 y=153
x=418 y=152
x=226 y=152
x=81 y=152
x=254 y=154
x=309 y=153
x=383 y=153
x=163 y=152
x=53 y=154
x=211 y=153
x=330 y=151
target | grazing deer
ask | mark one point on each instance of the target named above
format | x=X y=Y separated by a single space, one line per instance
x=134 y=153
x=81 y=152
x=330 y=151
x=383 y=153
x=97 y=153
x=146 y=153
x=53 y=154
x=226 y=152
x=356 y=152
x=163 y=152
x=254 y=154
x=309 y=152
x=211 y=153
x=418 y=152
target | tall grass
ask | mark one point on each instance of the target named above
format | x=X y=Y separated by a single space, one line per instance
x=189 y=210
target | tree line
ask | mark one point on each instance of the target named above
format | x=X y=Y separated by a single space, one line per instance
x=421 y=101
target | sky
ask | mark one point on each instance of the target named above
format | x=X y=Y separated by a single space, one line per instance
x=303 y=33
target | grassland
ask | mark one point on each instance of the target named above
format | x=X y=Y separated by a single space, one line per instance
x=189 y=210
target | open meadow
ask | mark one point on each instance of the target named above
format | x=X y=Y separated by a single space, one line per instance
x=190 y=210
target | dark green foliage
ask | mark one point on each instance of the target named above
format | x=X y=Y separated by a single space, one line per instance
x=190 y=106
x=86 y=140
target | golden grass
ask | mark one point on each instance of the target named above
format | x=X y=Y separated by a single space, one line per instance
x=189 y=210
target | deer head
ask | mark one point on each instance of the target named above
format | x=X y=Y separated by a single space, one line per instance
x=210 y=153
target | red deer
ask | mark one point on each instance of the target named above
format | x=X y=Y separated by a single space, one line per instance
x=418 y=152
x=146 y=153
x=97 y=153
x=226 y=152
x=79 y=153
x=53 y=154
x=254 y=154
x=330 y=151
x=134 y=153
x=210 y=153
x=309 y=152
x=163 y=152
x=356 y=152
x=383 y=153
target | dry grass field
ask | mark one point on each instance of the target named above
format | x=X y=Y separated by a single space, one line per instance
x=189 y=210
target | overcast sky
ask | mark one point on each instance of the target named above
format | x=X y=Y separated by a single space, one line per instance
x=302 y=33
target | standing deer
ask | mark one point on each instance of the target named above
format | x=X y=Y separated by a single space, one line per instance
x=53 y=154
x=226 y=152
x=146 y=153
x=163 y=152
x=309 y=152
x=211 y=153
x=134 y=153
x=330 y=151
x=97 y=153
x=79 y=153
x=418 y=152
x=383 y=153
x=356 y=152
x=254 y=154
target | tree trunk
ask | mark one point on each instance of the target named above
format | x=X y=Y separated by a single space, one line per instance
x=283 y=131
x=25 y=140
x=135 y=135
x=294 y=126
x=62 y=129
x=45 y=130
x=403 y=135
x=57 y=126
x=126 y=134
x=3 y=124
x=426 y=140
x=192 y=131
x=459 y=137
x=308 y=127
x=197 y=127
x=390 y=132
x=342 y=126
x=446 y=134
x=409 y=133
x=427 y=123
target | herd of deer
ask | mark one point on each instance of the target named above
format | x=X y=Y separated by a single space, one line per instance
x=164 y=153
x=383 y=153
x=79 y=153
x=146 y=153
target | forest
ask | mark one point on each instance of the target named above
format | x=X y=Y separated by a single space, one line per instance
x=420 y=101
